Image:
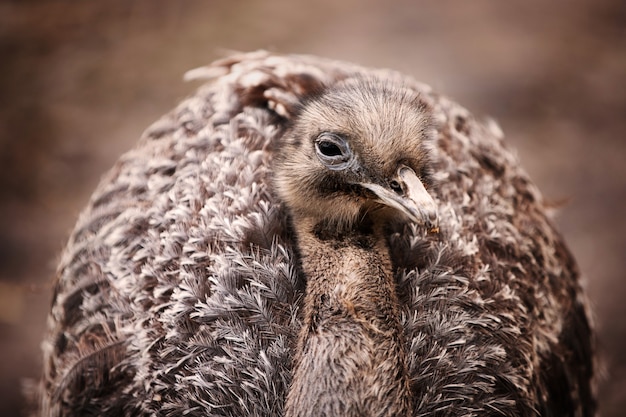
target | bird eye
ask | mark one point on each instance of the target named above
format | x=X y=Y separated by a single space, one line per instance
x=327 y=148
x=333 y=151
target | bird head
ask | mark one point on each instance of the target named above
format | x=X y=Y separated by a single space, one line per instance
x=357 y=150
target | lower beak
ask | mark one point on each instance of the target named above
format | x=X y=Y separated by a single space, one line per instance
x=413 y=200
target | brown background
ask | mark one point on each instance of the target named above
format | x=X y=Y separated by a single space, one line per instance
x=80 y=80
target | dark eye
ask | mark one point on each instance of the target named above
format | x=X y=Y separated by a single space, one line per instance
x=333 y=151
x=327 y=148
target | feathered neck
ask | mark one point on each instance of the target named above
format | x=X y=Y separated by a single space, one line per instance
x=350 y=359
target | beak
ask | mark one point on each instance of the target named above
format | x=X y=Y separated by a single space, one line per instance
x=411 y=198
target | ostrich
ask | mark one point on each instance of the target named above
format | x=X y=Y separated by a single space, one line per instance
x=306 y=237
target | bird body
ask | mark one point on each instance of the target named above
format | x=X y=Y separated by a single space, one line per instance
x=405 y=262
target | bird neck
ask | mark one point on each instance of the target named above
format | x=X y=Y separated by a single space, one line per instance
x=351 y=358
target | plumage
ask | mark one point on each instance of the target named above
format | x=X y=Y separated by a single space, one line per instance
x=182 y=288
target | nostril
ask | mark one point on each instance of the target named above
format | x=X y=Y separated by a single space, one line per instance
x=396 y=186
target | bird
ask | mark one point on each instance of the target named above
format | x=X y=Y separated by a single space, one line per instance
x=310 y=237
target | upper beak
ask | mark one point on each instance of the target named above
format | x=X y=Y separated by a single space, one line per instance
x=413 y=200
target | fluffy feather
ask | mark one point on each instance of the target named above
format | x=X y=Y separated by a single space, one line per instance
x=180 y=289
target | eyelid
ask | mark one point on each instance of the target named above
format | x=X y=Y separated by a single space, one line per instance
x=336 y=138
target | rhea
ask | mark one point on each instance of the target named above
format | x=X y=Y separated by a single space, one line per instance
x=350 y=166
x=305 y=237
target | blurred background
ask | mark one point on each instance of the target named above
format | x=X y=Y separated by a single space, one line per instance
x=80 y=81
